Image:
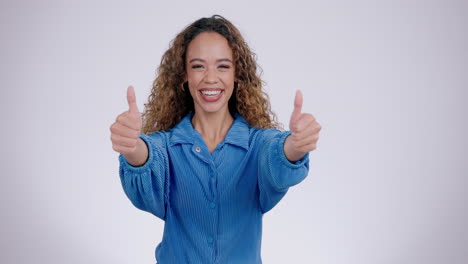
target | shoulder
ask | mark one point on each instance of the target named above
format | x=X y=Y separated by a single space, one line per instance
x=264 y=137
x=269 y=133
x=182 y=132
x=155 y=139
x=258 y=135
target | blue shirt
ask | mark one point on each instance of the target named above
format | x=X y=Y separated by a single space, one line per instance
x=212 y=203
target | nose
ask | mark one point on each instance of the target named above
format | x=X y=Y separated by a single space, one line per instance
x=211 y=76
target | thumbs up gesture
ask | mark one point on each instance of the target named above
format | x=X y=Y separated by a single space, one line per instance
x=126 y=129
x=304 y=132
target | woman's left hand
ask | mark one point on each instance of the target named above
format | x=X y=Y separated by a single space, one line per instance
x=304 y=132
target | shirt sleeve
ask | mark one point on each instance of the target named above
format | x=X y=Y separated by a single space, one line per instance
x=147 y=185
x=276 y=172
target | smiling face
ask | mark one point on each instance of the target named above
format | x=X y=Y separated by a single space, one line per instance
x=210 y=72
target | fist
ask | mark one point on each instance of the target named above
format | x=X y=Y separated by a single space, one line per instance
x=126 y=129
x=304 y=132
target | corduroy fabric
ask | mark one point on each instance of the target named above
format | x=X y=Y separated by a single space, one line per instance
x=212 y=204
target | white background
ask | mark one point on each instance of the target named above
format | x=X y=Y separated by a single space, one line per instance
x=387 y=80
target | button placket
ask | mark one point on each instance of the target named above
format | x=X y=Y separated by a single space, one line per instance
x=212 y=203
x=200 y=153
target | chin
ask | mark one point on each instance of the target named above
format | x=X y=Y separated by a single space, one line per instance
x=212 y=108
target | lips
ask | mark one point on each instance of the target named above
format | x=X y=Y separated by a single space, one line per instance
x=211 y=94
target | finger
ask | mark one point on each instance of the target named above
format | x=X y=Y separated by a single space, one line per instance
x=309 y=148
x=304 y=121
x=131 y=98
x=124 y=131
x=129 y=121
x=306 y=141
x=122 y=149
x=311 y=130
x=297 y=105
x=123 y=141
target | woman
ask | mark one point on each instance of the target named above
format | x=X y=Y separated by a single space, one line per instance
x=208 y=158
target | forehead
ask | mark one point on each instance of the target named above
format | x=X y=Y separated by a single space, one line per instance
x=209 y=46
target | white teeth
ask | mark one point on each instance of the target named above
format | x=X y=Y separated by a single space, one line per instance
x=211 y=92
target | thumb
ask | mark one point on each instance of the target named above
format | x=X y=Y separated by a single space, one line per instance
x=131 y=98
x=297 y=106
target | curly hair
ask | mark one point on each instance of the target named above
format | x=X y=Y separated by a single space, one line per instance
x=170 y=99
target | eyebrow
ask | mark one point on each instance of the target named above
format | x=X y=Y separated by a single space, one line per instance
x=202 y=60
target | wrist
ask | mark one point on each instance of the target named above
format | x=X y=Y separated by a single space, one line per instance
x=291 y=154
x=139 y=156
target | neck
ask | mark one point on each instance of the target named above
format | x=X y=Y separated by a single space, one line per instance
x=212 y=126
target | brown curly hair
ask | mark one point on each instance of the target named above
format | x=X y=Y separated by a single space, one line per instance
x=170 y=99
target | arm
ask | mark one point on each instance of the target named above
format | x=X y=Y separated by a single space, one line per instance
x=284 y=159
x=275 y=172
x=147 y=185
x=144 y=169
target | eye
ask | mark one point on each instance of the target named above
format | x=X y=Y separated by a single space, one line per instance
x=197 y=66
x=224 y=66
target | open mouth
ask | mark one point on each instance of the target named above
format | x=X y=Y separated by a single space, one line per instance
x=211 y=95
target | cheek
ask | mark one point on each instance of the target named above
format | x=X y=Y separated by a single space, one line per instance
x=192 y=90
x=191 y=85
x=229 y=79
x=193 y=76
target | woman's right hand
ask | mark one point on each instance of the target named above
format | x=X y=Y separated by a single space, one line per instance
x=125 y=133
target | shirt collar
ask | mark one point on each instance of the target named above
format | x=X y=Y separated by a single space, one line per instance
x=238 y=133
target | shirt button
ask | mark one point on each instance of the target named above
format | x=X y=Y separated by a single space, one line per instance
x=212 y=205
x=197 y=149
x=209 y=240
